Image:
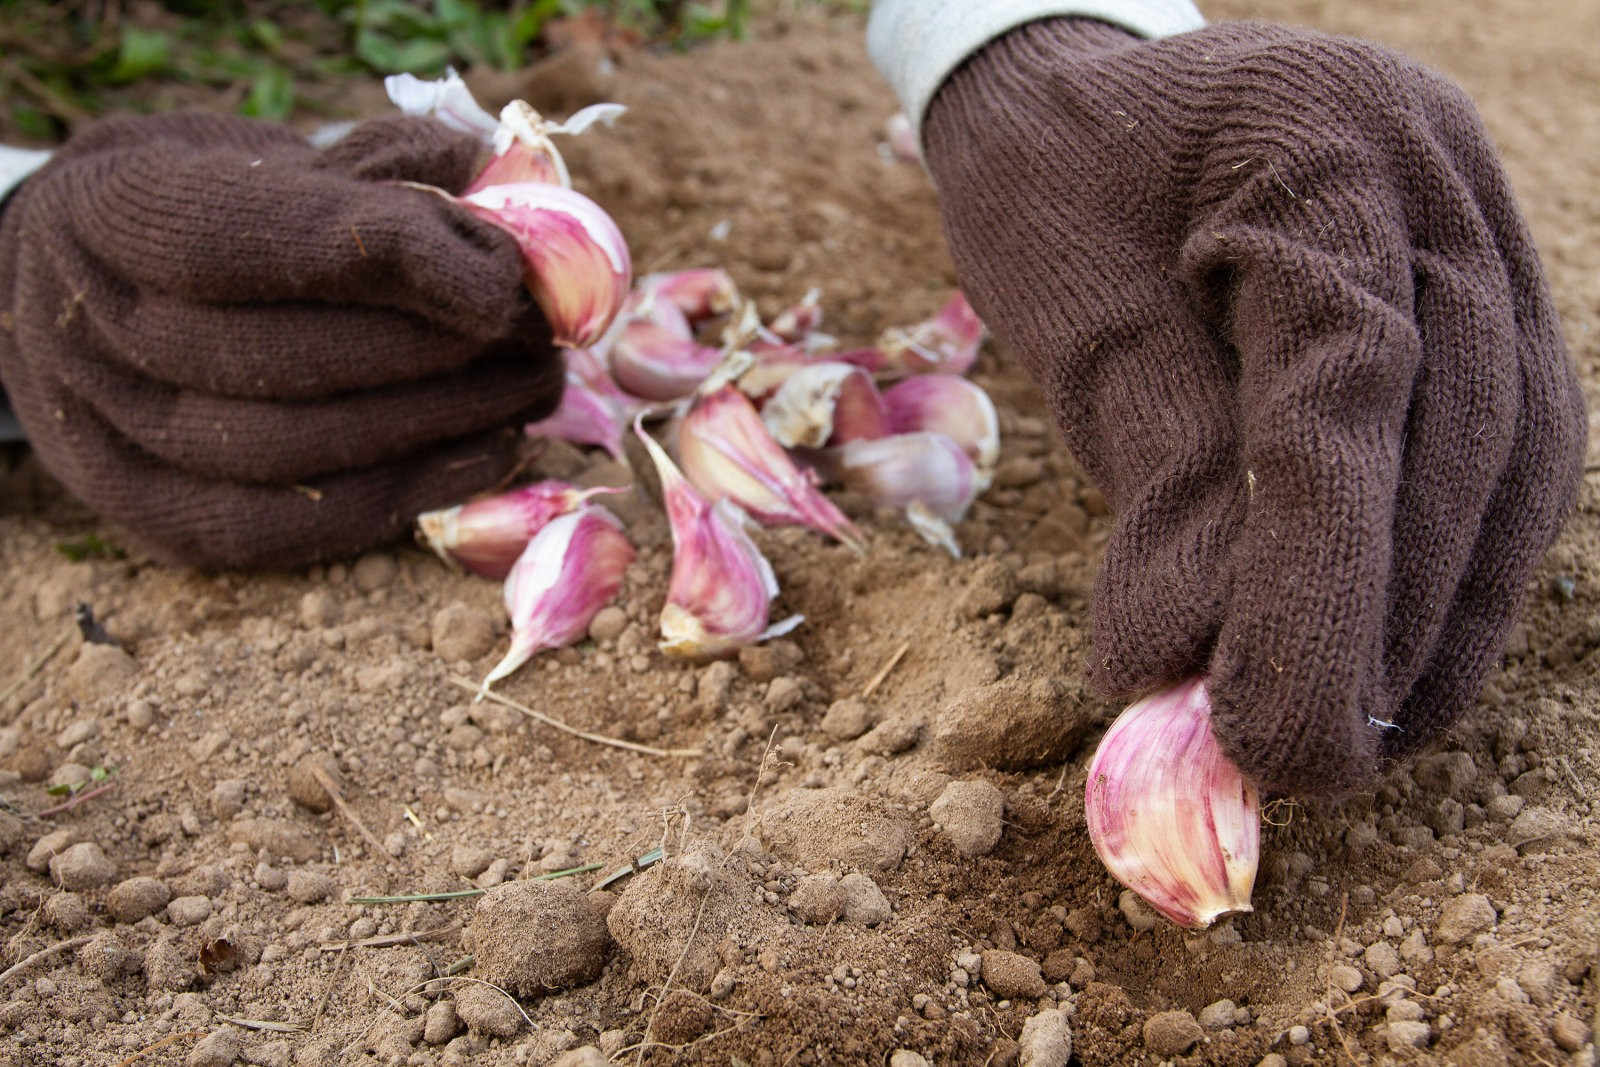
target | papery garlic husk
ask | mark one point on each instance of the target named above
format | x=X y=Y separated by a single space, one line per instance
x=575 y=261
x=1169 y=814
x=825 y=402
x=523 y=151
x=655 y=354
x=770 y=366
x=794 y=324
x=446 y=100
x=722 y=587
x=593 y=409
x=569 y=571
x=726 y=451
x=487 y=535
x=699 y=292
x=928 y=474
x=902 y=138
x=954 y=406
x=948 y=342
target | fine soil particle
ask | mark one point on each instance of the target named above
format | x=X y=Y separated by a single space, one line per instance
x=818 y=903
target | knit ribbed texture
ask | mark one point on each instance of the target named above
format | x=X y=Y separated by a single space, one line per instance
x=250 y=353
x=1287 y=313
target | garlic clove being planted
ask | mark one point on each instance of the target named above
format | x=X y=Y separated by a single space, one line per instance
x=825 y=402
x=722 y=586
x=487 y=535
x=948 y=342
x=1169 y=814
x=569 y=571
x=726 y=451
x=575 y=261
x=954 y=406
x=927 y=474
x=523 y=151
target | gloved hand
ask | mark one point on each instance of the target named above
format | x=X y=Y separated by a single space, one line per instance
x=1288 y=316
x=252 y=353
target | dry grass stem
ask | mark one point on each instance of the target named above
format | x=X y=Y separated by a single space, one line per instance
x=404 y=937
x=599 y=739
x=38 y=664
x=43 y=954
x=883 y=672
x=325 y=780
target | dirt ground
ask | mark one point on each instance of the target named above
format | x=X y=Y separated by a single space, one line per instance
x=199 y=912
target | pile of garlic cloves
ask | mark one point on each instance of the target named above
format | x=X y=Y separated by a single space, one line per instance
x=756 y=418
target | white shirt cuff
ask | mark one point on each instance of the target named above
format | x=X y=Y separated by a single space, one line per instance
x=917 y=43
x=16 y=164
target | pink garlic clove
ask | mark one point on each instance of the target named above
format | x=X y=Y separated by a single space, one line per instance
x=569 y=571
x=954 y=406
x=928 y=474
x=722 y=587
x=655 y=354
x=948 y=342
x=593 y=409
x=825 y=402
x=1169 y=814
x=523 y=151
x=575 y=261
x=902 y=138
x=727 y=452
x=794 y=324
x=487 y=535
x=699 y=292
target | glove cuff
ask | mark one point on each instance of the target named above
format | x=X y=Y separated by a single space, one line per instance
x=916 y=44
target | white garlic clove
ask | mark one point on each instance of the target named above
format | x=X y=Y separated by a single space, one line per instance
x=487 y=535
x=954 y=406
x=1169 y=814
x=569 y=571
x=699 y=292
x=726 y=451
x=824 y=402
x=575 y=261
x=722 y=587
x=925 y=468
x=655 y=355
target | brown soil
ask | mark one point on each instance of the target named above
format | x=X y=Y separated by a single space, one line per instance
x=233 y=686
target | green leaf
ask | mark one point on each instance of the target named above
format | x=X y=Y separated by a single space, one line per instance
x=33 y=123
x=388 y=56
x=60 y=790
x=142 y=52
x=99 y=774
x=89 y=546
x=527 y=25
x=266 y=34
x=271 y=94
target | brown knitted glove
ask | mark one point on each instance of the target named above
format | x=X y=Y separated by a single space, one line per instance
x=1277 y=291
x=250 y=353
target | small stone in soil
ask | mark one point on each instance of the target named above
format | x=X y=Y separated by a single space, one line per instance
x=308 y=887
x=970 y=814
x=864 y=902
x=133 y=899
x=488 y=1011
x=1464 y=916
x=531 y=937
x=83 y=866
x=1046 y=1039
x=1011 y=976
x=1171 y=1033
x=461 y=632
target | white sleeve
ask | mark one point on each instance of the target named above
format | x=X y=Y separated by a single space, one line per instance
x=16 y=164
x=917 y=43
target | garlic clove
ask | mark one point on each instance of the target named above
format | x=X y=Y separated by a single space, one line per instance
x=726 y=451
x=722 y=587
x=487 y=535
x=655 y=355
x=523 y=151
x=825 y=402
x=902 y=138
x=954 y=406
x=947 y=342
x=575 y=261
x=569 y=571
x=593 y=409
x=699 y=292
x=1169 y=814
x=927 y=474
x=770 y=366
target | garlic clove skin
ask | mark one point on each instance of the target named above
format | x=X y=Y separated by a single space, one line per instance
x=954 y=406
x=825 y=402
x=722 y=587
x=575 y=261
x=902 y=138
x=487 y=535
x=927 y=475
x=948 y=342
x=726 y=451
x=1169 y=814
x=699 y=292
x=794 y=324
x=446 y=99
x=569 y=571
x=523 y=151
